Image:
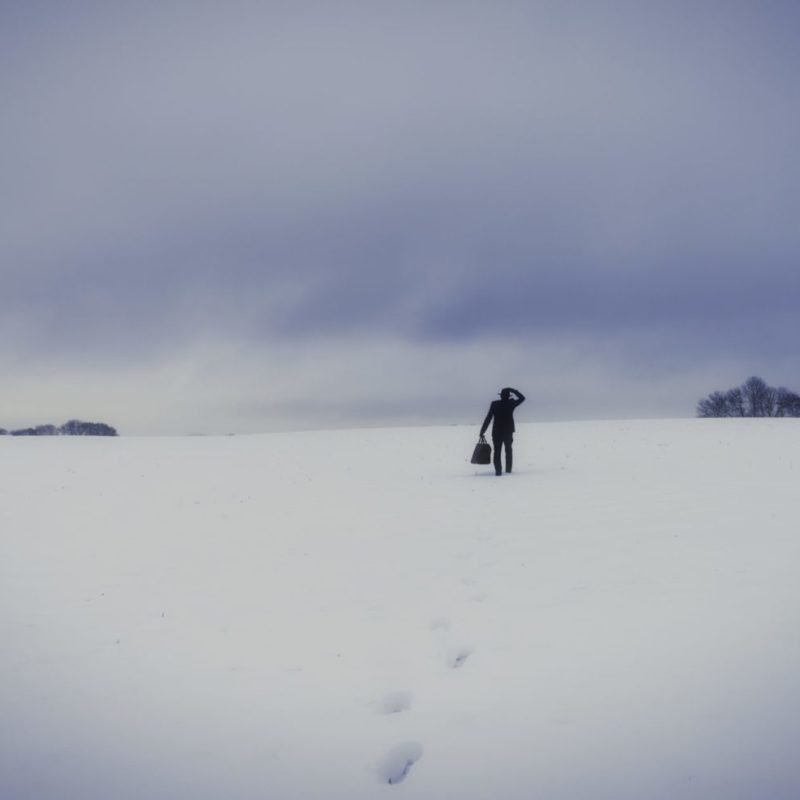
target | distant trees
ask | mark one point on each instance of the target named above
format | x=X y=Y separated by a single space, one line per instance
x=46 y=430
x=77 y=428
x=788 y=403
x=754 y=398
x=74 y=427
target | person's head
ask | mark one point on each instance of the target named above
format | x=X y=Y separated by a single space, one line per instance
x=505 y=394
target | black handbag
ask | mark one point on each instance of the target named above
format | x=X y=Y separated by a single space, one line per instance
x=482 y=454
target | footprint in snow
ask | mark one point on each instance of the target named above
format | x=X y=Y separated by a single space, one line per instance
x=395 y=702
x=439 y=624
x=396 y=764
x=457 y=657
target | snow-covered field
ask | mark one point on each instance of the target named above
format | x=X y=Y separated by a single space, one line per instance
x=362 y=614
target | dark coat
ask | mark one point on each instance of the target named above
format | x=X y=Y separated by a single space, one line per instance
x=502 y=411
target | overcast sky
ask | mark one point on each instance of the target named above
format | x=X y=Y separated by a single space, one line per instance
x=246 y=216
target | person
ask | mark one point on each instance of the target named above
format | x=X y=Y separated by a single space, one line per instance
x=502 y=411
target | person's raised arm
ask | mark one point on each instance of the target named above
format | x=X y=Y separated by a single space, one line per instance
x=487 y=420
x=520 y=396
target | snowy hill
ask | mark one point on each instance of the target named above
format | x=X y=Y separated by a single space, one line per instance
x=362 y=614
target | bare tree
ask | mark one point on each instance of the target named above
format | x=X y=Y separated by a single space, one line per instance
x=760 y=399
x=787 y=403
x=715 y=405
x=736 y=404
x=754 y=398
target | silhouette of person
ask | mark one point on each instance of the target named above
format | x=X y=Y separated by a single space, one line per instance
x=502 y=411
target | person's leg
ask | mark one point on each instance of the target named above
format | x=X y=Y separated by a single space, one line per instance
x=509 y=456
x=497 y=446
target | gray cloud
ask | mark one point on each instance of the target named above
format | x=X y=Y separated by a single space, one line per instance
x=617 y=174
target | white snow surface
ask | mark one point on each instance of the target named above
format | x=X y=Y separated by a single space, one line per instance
x=363 y=614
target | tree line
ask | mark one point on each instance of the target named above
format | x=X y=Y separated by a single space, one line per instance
x=75 y=427
x=754 y=398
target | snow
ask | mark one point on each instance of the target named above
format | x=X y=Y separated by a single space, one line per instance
x=363 y=614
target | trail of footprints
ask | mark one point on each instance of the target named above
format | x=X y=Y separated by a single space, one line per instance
x=396 y=764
